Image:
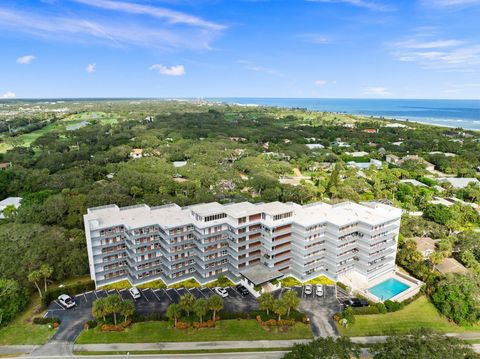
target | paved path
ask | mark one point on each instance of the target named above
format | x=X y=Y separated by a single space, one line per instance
x=189 y=345
x=250 y=355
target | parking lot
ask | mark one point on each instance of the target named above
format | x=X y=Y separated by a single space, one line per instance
x=155 y=301
x=152 y=301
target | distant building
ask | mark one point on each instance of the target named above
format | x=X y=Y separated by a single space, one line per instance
x=365 y=165
x=392 y=159
x=425 y=246
x=136 y=153
x=458 y=182
x=370 y=130
x=398 y=143
x=395 y=125
x=10 y=201
x=5 y=165
x=315 y=146
x=357 y=154
x=413 y=182
x=178 y=164
x=338 y=142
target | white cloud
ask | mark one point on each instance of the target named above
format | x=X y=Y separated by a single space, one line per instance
x=171 y=16
x=25 y=60
x=177 y=70
x=430 y=53
x=320 y=82
x=91 y=68
x=250 y=66
x=378 y=91
x=315 y=38
x=451 y=3
x=367 y=4
x=8 y=95
x=106 y=31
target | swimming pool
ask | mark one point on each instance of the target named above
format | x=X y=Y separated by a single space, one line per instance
x=388 y=289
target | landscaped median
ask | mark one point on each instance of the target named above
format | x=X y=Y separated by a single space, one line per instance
x=225 y=330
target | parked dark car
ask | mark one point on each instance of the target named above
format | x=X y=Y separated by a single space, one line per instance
x=356 y=303
x=242 y=290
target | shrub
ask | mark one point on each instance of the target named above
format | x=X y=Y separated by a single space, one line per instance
x=366 y=310
x=90 y=324
x=337 y=317
x=285 y=322
x=154 y=317
x=71 y=290
x=393 y=306
x=182 y=325
x=270 y=323
x=208 y=324
x=258 y=319
x=381 y=308
x=112 y=328
x=290 y=282
x=343 y=286
x=40 y=320
x=55 y=325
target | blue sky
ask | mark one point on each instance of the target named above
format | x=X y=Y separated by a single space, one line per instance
x=247 y=48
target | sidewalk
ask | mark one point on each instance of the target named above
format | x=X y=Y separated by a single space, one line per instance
x=189 y=345
x=16 y=349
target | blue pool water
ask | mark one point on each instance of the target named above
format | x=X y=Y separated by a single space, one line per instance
x=388 y=289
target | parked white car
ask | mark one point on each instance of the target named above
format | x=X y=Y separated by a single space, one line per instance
x=135 y=293
x=308 y=289
x=319 y=290
x=222 y=292
x=66 y=301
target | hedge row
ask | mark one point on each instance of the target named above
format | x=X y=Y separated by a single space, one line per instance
x=73 y=289
x=40 y=320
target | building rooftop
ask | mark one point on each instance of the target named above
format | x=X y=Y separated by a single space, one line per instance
x=425 y=244
x=259 y=274
x=10 y=201
x=413 y=182
x=451 y=265
x=458 y=182
x=170 y=216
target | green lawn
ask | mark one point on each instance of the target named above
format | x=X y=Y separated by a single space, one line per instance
x=420 y=313
x=22 y=331
x=151 y=332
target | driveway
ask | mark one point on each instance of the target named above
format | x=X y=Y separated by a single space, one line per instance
x=320 y=310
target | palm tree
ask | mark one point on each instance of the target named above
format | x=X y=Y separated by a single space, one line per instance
x=279 y=308
x=98 y=309
x=291 y=300
x=200 y=308
x=173 y=312
x=127 y=309
x=215 y=303
x=186 y=303
x=46 y=272
x=35 y=277
x=113 y=306
x=265 y=302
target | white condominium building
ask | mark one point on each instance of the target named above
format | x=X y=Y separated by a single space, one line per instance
x=141 y=243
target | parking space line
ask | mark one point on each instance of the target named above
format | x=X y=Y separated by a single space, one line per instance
x=303 y=290
x=168 y=295
x=110 y=291
x=85 y=296
x=176 y=291
x=143 y=291
x=155 y=294
x=60 y=306
x=95 y=292
x=235 y=290
x=120 y=295
x=203 y=294
x=211 y=290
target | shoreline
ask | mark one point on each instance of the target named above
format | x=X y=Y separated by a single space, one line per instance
x=423 y=121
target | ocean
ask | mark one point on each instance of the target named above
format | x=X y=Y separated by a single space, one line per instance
x=451 y=113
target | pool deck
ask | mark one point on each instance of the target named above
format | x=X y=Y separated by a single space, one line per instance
x=361 y=285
